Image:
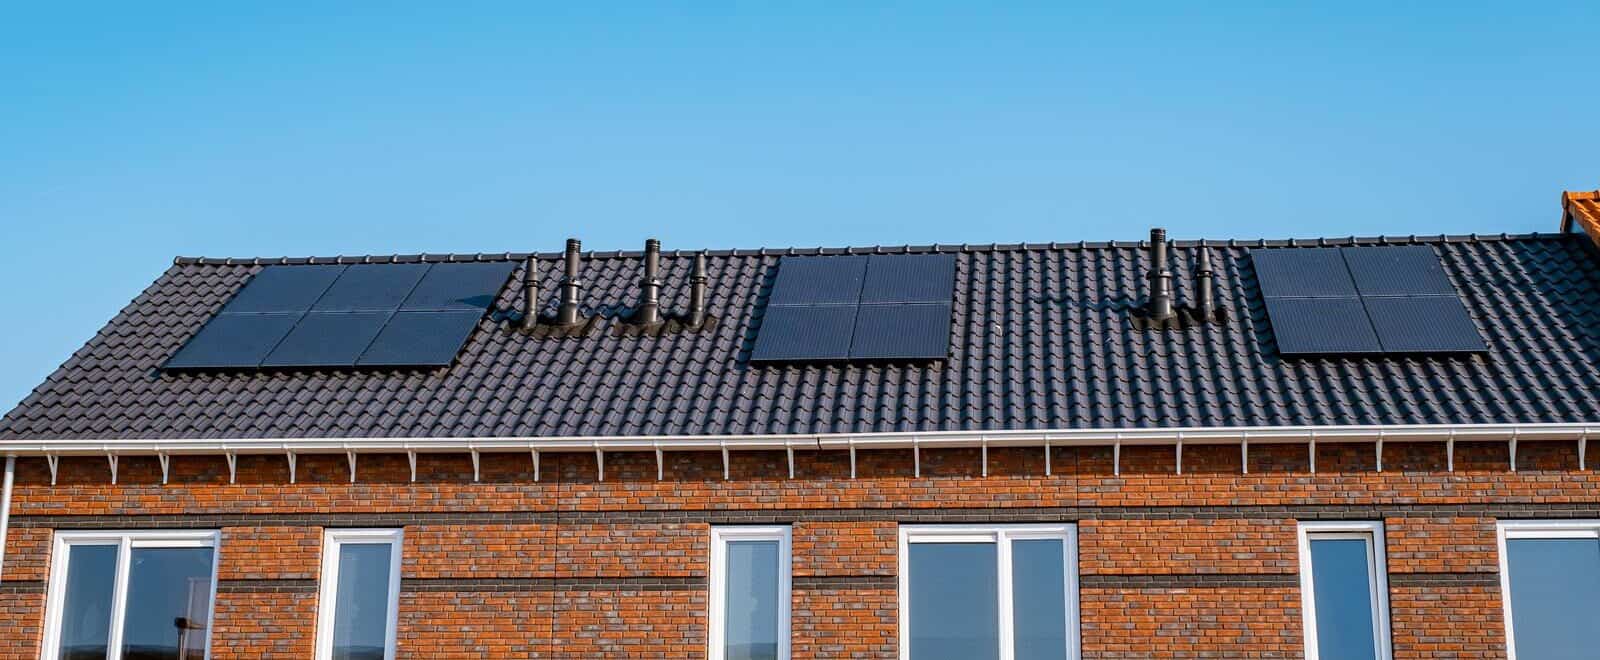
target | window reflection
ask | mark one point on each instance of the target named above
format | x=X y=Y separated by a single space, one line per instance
x=169 y=604
x=1554 y=583
x=86 y=607
x=751 y=601
x=1342 y=587
x=361 y=614
x=954 y=601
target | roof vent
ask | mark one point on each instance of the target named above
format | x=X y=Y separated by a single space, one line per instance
x=530 y=293
x=647 y=319
x=568 y=314
x=569 y=320
x=697 y=293
x=1160 y=312
x=648 y=312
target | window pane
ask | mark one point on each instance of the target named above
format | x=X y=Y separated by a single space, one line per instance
x=1343 y=590
x=86 y=609
x=751 y=601
x=1039 y=599
x=169 y=604
x=1555 y=587
x=361 y=610
x=954 y=601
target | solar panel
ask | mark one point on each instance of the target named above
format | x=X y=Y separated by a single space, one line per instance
x=1311 y=326
x=909 y=278
x=1402 y=270
x=371 y=287
x=1303 y=273
x=790 y=333
x=462 y=286
x=421 y=339
x=327 y=339
x=233 y=341
x=819 y=281
x=284 y=289
x=902 y=331
x=1424 y=324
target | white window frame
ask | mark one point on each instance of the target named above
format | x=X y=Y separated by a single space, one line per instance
x=126 y=541
x=1377 y=576
x=1532 y=529
x=720 y=537
x=1001 y=536
x=328 y=593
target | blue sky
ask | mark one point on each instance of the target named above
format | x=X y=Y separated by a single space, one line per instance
x=132 y=132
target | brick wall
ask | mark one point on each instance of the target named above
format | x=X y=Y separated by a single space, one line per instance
x=1198 y=564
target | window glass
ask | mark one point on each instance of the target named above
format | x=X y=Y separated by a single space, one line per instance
x=1342 y=585
x=169 y=604
x=86 y=605
x=751 y=605
x=1555 y=584
x=1039 y=599
x=954 y=601
x=361 y=609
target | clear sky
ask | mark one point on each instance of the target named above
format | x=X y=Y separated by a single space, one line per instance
x=134 y=132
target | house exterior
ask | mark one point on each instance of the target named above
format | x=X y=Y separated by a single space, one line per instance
x=1035 y=461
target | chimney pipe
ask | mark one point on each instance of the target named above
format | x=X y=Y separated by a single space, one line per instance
x=568 y=313
x=1205 y=294
x=649 y=311
x=697 y=292
x=530 y=294
x=1160 y=280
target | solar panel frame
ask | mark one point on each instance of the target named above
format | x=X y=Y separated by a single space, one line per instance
x=909 y=278
x=1321 y=326
x=327 y=339
x=906 y=331
x=1399 y=270
x=819 y=280
x=371 y=287
x=233 y=341
x=1303 y=273
x=421 y=339
x=791 y=333
x=284 y=289
x=437 y=291
x=1424 y=324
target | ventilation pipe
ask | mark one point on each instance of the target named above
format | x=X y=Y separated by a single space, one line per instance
x=567 y=313
x=1205 y=303
x=649 y=309
x=530 y=294
x=1160 y=306
x=697 y=292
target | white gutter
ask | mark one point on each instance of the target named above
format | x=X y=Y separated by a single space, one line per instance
x=5 y=508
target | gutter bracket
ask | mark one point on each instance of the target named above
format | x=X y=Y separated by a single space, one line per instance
x=1311 y=452
x=166 y=463
x=599 y=463
x=290 y=457
x=1513 y=450
x=351 y=456
x=852 y=457
x=789 y=449
x=476 y=470
x=55 y=464
x=1380 y=451
x=1180 y=453
x=984 y=456
x=916 y=457
x=1450 y=453
x=112 y=458
x=233 y=466
x=725 y=469
x=535 y=453
x=661 y=464
x=1583 y=447
x=1116 y=457
x=411 y=459
x=1047 y=456
x=1244 y=452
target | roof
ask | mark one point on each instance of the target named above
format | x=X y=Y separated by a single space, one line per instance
x=1041 y=340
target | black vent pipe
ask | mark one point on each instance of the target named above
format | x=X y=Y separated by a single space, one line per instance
x=1205 y=287
x=697 y=292
x=649 y=310
x=530 y=294
x=1160 y=280
x=567 y=313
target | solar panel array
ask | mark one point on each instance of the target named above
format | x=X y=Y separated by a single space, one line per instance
x=1363 y=300
x=858 y=308
x=362 y=315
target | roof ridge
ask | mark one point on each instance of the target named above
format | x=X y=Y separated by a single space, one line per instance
x=1382 y=239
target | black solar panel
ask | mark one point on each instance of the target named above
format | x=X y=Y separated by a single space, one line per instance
x=371 y=287
x=327 y=339
x=902 y=331
x=805 y=333
x=421 y=339
x=819 y=281
x=1316 y=326
x=1303 y=273
x=1423 y=324
x=1403 y=270
x=284 y=289
x=233 y=341
x=909 y=278
x=460 y=286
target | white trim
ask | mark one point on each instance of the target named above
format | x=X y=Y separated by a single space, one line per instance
x=1377 y=576
x=125 y=540
x=716 y=619
x=1532 y=529
x=327 y=593
x=1002 y=535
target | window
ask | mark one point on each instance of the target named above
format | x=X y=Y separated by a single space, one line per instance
x=749 y=593
x=132 y=595
x=1344 y=590
x=360 y=594
x=999 y=592
x=1551 y=571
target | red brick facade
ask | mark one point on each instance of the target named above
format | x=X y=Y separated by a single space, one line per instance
x=1198 y=564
